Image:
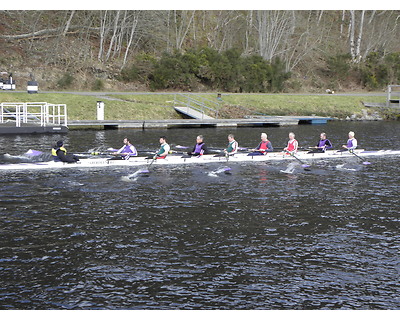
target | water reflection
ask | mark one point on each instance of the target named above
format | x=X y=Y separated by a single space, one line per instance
x=180 y=239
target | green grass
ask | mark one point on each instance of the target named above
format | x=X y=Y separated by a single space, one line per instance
x=155 y=106
x=300 y=105
x=81 y=107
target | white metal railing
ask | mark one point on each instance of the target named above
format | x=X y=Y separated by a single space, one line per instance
x=42 y=113
x=393 y=95
x=197 y=103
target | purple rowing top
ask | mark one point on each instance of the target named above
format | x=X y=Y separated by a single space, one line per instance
x=351 y=143
x=198 y=147
x=130 y=149
x=325 y=143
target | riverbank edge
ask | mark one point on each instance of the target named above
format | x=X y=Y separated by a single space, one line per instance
x=159 y=105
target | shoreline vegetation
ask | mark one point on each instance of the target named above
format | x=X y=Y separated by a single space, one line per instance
x=159 y=105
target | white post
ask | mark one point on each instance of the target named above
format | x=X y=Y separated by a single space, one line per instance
x=65 y=115
x=24 y=113
x=100 y=110
x=17 y=115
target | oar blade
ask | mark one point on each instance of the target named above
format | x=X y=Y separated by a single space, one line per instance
x=228 y=170
x=33 y=153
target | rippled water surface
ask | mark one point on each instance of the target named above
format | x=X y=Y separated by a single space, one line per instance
x=194 y=237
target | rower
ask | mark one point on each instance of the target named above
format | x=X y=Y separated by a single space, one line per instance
x=351 y=142
x=127 y=150
x=233 y=146
x=59 y=153
x=164 y=149
x=292 y=145
x=322 y=145
x=200 y=147
x=263 y=147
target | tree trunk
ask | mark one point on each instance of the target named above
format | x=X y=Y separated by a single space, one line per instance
x=359 y=37
x=68 y=23
x=132 y=34
x=113 y=37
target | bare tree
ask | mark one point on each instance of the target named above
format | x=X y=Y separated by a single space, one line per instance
x=248 y=32
x=182 y=21
x=380 y=32
x=134 y=23
x=355 y=40
x=273 y=27
x=67 y=25
x=222 y=34
x=114 y=35
x=104 y=29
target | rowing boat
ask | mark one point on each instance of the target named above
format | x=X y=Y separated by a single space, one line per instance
x=178 y=160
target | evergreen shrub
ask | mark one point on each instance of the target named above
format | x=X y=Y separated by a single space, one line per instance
x=65 y=81
x=227 y=71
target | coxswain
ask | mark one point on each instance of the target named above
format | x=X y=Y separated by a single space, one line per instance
x=59 y=153
x=322 y=145
x=263 y=147
x=351 y=142
x=233 y=146
x=200 y=147
x=127 y=150
x=292 y=145
x=164 y=149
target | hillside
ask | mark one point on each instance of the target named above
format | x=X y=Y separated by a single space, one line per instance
x=285 y=51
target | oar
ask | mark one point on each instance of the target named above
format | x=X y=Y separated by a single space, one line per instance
x=148 y=167
x=94 y=153
x=304 y=165
x=364 y=162
x=181 y=147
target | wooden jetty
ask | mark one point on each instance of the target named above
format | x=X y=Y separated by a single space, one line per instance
x=268 y=121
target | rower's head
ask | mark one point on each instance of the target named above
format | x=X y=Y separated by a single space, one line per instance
x=291 y=135
x=351 y=134
x=127 y=141
x=264 y=136
x=323 y=135
x=59 y=144
x=231 y=137
x=199 y=139
x=163 y=139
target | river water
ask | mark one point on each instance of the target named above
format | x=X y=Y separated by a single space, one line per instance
x=194 y=237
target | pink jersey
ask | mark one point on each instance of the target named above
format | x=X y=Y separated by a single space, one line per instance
x=292 y=145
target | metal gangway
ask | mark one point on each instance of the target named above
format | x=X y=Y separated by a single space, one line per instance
x=35 y=113
x=196 y=106
x=393 y=96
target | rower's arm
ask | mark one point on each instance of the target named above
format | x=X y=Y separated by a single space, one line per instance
x=296 y=146
x=133 y=151
x=194 y=148
x=63 y=157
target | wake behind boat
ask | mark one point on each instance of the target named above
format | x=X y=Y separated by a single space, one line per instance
x=204 y=159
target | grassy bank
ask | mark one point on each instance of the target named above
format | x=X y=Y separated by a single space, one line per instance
x=159 y=106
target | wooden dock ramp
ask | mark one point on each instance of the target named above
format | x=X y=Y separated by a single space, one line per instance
x=192 y=113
